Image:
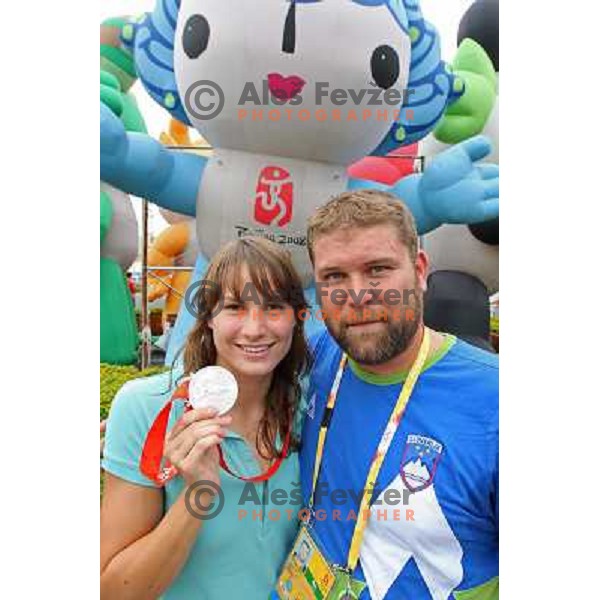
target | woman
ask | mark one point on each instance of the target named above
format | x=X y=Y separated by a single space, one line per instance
x=180 y=541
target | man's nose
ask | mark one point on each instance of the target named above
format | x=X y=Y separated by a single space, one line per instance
x=359 y=292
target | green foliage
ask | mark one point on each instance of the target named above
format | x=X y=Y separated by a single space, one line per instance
x=113 y=377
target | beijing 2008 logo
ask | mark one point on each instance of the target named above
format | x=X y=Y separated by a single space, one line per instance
x=274 y=197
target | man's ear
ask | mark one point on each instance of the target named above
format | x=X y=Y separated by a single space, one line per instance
x=422 y=269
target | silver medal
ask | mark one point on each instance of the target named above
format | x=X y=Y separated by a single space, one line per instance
x=213 y=387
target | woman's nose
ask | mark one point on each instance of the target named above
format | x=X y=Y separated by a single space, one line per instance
x=254 y=324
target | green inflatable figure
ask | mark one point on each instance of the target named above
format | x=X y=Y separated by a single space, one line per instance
x=469 y=114
x=119 y=338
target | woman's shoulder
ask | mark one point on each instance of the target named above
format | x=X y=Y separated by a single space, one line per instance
x=134 y=409
x=141 y=399
x=159 y=384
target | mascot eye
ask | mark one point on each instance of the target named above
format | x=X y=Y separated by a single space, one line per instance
x=385 y=66
x=195 y=36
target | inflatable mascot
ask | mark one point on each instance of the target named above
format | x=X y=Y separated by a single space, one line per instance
x=464 y=258
x=176 y=245
x=289 y=94
x=118 y=226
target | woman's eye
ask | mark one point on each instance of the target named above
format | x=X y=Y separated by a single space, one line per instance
x=275 y=306
x=232 y=306
x=195 y=36
x=385 y=66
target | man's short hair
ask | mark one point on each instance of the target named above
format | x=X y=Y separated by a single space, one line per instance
x=360 y=209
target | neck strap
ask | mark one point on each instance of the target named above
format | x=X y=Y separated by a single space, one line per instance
x=382 y=449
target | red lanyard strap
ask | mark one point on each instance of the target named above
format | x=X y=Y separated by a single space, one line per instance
x=263 y=476
x=154 y=446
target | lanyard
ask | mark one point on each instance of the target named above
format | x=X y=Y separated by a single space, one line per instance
x=154 y=446
x=382 y=449
x=262 y=476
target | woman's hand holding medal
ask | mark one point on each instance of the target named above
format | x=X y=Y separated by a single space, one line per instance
x=191 y=445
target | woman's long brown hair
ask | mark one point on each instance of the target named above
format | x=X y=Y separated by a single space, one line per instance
x=273 y=276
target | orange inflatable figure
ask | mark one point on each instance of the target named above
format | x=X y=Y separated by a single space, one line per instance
x=176 y=245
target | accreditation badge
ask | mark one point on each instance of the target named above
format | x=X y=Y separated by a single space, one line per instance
x=306 y=575
x=345 y=587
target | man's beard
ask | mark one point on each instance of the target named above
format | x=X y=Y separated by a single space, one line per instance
x=376 y=348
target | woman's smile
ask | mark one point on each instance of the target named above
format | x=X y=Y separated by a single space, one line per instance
x=256 y=351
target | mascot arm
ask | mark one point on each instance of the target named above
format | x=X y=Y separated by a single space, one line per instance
x=169 y=245
x=139 y=165
x=172 y=241
x=157 y=288
x=407 y=190
x=452 y=189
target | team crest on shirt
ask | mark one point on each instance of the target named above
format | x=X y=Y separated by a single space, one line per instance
x=419 y=461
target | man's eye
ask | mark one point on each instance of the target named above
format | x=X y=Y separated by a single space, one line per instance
x=378 y=270
x=334 y=276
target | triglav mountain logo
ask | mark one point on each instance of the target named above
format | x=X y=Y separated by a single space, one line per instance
x=419 y=462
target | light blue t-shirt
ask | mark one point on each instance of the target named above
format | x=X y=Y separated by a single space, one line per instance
x=236 y=555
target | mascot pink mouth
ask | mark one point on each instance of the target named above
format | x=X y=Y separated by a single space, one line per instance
x=285 y=88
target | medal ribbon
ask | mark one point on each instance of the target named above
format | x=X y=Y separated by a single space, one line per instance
x=263 y=476
x=382 y=449
x=154 y=446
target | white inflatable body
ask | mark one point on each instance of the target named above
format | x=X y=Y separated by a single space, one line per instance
x=285 y=168
x=121 y=240
x=282 y=194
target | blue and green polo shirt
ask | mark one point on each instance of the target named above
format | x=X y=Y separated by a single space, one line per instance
x=432 y=533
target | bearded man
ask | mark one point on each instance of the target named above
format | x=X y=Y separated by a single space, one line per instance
x=399 y=456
